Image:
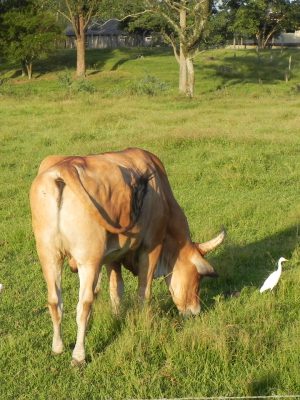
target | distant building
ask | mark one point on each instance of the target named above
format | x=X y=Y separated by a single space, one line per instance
x=109 y=35
x=288 y=39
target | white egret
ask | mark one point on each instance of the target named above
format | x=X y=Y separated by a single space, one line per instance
x=1 y=287
x=273 y=279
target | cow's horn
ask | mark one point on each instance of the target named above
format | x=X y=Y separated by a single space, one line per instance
x=211 y=244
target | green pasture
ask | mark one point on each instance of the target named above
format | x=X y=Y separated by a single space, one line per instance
x=233 y=159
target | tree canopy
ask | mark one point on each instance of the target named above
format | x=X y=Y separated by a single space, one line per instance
x=28 y=33
x=264 y=19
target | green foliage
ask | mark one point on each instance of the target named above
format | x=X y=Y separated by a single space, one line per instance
x=148 y=22
x=149 y=85
x=83 y=85
x=72 y=6
x=260 y=20
x=164 y=17
x=120 y=9
x=217 y=32
x=29 y=35
x=263 y=19
x=67 y=83
x=65 y=79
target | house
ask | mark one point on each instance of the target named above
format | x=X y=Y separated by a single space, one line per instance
x=285 y=39
x=288 y=39
x=110 y=35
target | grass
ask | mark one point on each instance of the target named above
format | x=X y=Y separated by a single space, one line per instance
x=232 y=155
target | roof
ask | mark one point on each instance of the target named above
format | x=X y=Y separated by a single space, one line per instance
x=108 y=28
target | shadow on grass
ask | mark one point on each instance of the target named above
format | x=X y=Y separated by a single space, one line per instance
x=115 y=329
x=268 y=66
x=249 y=265
x=238 y=266
x=119 y=63
x=259 y=386
x=96 y=59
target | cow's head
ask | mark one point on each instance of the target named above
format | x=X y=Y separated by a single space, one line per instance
x=190 y=266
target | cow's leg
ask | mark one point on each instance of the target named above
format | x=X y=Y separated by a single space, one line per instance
x=116 y=285
x=52 y=269
x=98 y=284
x=73 y=266
x=147 y=265
x=88 y=276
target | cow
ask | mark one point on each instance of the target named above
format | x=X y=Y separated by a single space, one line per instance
x=113 y=209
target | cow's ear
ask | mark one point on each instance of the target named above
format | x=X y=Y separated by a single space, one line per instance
x=206 y=247
x=203 y=266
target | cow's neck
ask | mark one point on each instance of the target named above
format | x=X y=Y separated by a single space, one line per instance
x=174 y=248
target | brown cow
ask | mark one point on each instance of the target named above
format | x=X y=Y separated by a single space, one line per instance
x=113 y=208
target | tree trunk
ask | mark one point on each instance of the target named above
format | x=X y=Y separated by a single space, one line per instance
x=186 y=76
x=23 y=67
x=29 y=69
x=80 y=44
x=268 y=38
x=190 y=77
x=182 y=72
x=182 y=57
x=259 y=41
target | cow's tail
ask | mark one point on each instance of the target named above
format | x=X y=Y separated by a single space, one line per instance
x=69 y=176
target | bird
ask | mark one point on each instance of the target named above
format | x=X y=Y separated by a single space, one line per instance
x=1 y=287
x=273 y=279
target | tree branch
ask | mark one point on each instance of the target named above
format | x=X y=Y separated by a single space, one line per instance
x=122 y=19
x=156 y=9
x=90 y=13
x=198 y=5
x=197 y=53
x=65 y=16
x=174 y=6
x=71 y=14
x=171 y=22
x=200 y=22
x=173 y=44
x=273 y=30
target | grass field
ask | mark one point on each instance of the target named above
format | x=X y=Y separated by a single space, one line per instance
x=233 y=159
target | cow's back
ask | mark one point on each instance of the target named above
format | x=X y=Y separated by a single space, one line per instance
x=59 y=216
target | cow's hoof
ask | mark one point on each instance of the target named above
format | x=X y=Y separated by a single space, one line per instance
x=77 y=364
x=56 y=350
x=57 y=353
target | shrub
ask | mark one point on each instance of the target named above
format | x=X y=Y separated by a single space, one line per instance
x=84 y=85
x=296 y=88
x=66 y=82
x=149 y=85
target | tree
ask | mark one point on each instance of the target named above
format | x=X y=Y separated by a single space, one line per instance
x=5 y=6
x=29 y=34
x=221 y=23
x=218 y=27
x=79 y=13
x=264 y=19
x=183 y=25
x=188 y=20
